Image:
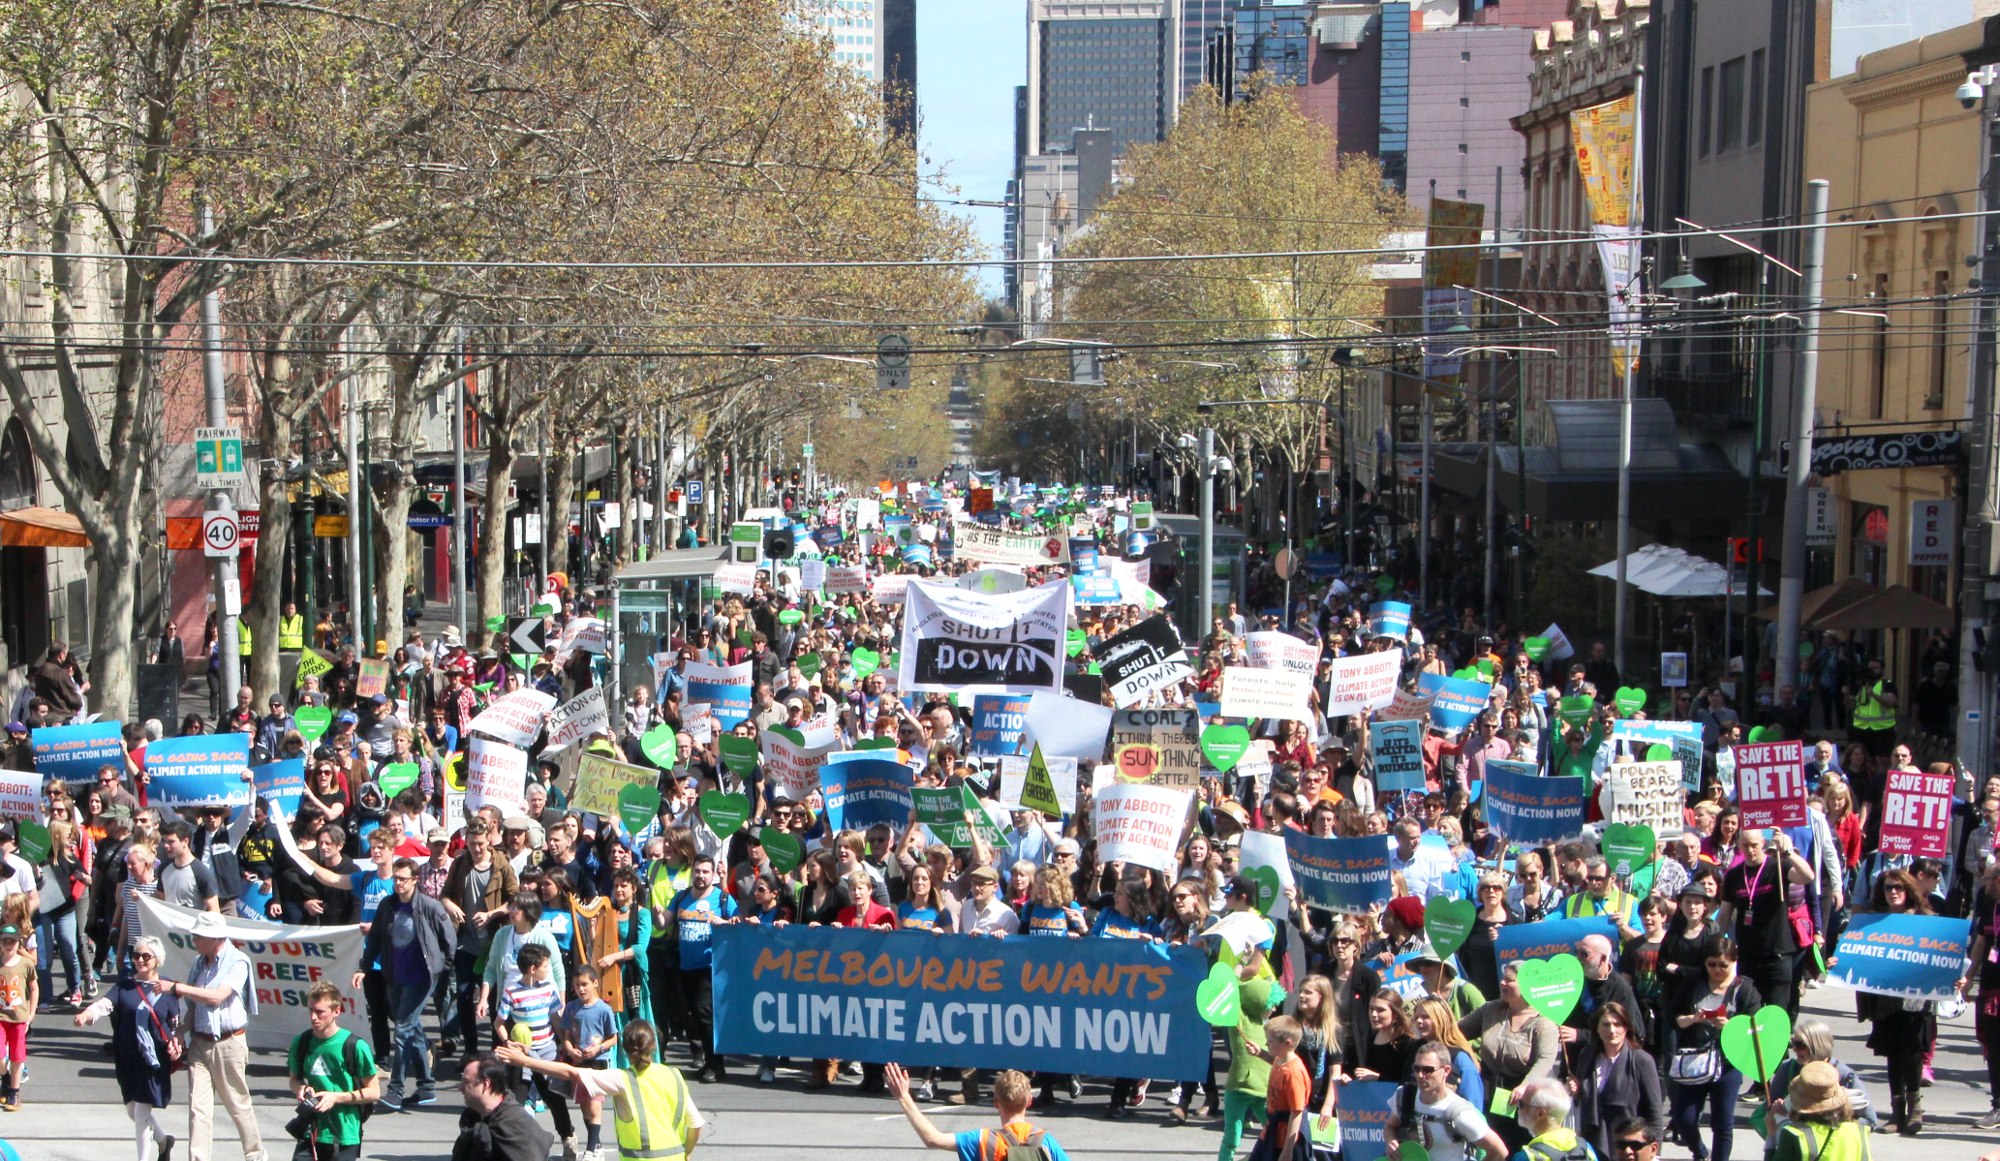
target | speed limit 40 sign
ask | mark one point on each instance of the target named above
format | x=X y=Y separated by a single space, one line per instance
x=219 y=534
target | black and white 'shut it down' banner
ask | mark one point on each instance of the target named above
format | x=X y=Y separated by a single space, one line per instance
x=955 y=640
x=1143 y=659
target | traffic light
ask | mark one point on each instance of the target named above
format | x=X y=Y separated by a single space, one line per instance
x=779 y=544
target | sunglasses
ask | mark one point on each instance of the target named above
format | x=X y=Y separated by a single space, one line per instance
x=1634 y=1145
x=1423 y=1070
x=143 y=955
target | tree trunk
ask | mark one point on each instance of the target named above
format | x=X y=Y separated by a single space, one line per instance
x=562 y=481
x=114 y=590
x=392 y=505
x=492 y=555
x=274 y=534
x=628 y=507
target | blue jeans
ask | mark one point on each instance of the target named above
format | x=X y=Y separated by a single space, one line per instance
x=406 y=1013
x=58 y=933
x=1720 y=1098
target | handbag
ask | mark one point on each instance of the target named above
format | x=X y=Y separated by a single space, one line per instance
x=1695 y=1066
x=170 y=1042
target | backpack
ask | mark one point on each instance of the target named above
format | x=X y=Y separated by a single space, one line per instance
x=350 y=1059
x=1406 y=1114
x=1547 y=1152
x=1034 y=1148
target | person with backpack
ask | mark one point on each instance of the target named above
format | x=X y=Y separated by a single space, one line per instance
x=1014 y=1140
x=332 y=1073
x=1543 y=1109
x=1819 y=1123
x=1430 y=1112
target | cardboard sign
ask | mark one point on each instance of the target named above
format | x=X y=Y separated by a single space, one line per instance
x=600 y=779
x=998 y=721
x=371 y=679
x=1398 y=752
x=1051 y=791
x=1140 y=825
x=1645 y=794
x=1266 y=693
x=889 y=588
x=1771 y=784
x=1916 y=814
x=793 y=761
x=577 y=719
x=1359 y=684
x=1172 y=733
x=496 y=772
x=515 y=718
x=843 y=579
x=1270 y=649
x=1142 y=660
x=1064 y=725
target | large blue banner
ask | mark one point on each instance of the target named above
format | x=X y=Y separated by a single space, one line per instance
x=729 y=703
x=1917 y=957
x=1529 y=809
x=1095 y=590
x=281 y=783
x=199 y=770
x=1456 y=700
x=1364 y=1118
x=73 y=753
x=1341 y=874
x=864 y=787
x=998 y=720
x=1102 y=1007
x=1549 y=937
x=1389 y=619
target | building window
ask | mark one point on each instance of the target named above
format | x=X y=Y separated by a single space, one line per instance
x=1465 y=102
x=1754 y=132
x=1729 y=106
x=1461 y=147
x=1940 y=339
x=1465 y=55
x=1707 y=113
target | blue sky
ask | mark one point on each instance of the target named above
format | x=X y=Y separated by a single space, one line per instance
x=970 y=55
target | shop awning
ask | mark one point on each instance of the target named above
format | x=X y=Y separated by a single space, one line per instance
x=1824 y=600
x=1670 y=572
x=1895 y=607
x=677 y=565
x=41 y=528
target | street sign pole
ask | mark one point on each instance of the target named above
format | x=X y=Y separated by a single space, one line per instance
x=228 y=588
x=459 y=527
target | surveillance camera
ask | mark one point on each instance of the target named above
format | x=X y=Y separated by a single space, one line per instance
x=1204 y=409
x=1970 y=93
x=1224 y=465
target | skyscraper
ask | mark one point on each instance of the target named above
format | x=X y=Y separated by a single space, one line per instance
x=856 y=28
x=1106 y=64
x=899 y=65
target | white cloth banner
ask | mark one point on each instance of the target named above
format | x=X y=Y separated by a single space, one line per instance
x=577 y=719
x=1269 y=649
x=1266 y=693
x=988 y=545
x=1140 y=824
x=1359 y=684
x=955 y=641
x=285 y=962
x=515 y=718
x=793 y=765
x=497 y=773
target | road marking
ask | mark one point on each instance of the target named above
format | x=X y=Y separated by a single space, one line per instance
x=929 y=1112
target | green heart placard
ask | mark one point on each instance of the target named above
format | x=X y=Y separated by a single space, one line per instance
x=1536 y=648
x=809 y=665
x=1469 y=673
x=1552 y=986
x=739 y=754
x=790 y=617
x=1755 y=1042
x=875 y=744
x=1485 y=667
x=1628 y=701
x=789 y=734
x=1574 y=711
x=1219 y=998
x=1767 y=734
x=1385 y=584
x=865 y=661
x=661 y=746
x=725 y=814
x=397 y=777
x=496 y=623
x=1074 y=642
x=638 y=804
x=312 y=721
x=782 y=849
x=33 y=840
x=1659 y=752
x=1629 y=846
x=1410 y=1151
x=1265 y=880
x=1448 y=923
x=1224 y=746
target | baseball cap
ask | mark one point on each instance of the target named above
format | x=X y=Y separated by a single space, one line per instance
x=436 y=835
x=10 y=932
x=347 y=716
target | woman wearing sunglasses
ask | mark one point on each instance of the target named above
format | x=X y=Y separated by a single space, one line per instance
x=140 y=1022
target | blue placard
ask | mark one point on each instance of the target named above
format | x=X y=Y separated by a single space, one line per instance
x=1364 y=1111
x=199 y=770
x=1917 y=957
x=281 y=783
x=1095 y=590
x=1549 y=937
x=919 y=555
x=863 y=787
x=1209 y=710
x=1082 y=554
x=1322 y=564
x=1389 y=619
x=1341 y=874
x=1398 y=751
x=1101 y=1007
x=730 y=703
x=1456 y=700
x=73 y=753
x=998 y=720
x=830 y=536
x=1529 y=809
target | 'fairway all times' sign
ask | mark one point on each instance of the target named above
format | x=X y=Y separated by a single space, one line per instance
x=218 y=457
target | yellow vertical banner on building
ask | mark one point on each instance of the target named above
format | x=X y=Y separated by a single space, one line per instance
x=1451 y=260
x=1606 y=140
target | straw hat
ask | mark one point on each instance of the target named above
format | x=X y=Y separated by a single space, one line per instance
x=1816 y=1089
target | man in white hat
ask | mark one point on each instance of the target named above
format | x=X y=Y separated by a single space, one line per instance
x=219 y=994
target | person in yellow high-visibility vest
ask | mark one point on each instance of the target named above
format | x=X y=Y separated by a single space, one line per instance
x=652 y=1110
x=291 y=629
x=1875 y=702
x=243 y=643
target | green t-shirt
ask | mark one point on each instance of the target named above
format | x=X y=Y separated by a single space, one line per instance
x=323 y=1065
x=1247 y=1073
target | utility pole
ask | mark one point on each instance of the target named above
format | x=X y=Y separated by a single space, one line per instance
x=1792 y=566
x=1493 y=418
x=1206 y=593
x=1977 y=566
x=228 y=586
x=1635 y=220
x=349 y=409
x=460 y=526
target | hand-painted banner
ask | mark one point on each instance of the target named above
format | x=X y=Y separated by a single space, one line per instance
x=1916 y=814
x=1398 y=752
x=199 y=770
x=496 y=772
x=515 y=718
x=1341 y=874
x=792 y=761
x=975 y=541
x=1271 y=649
x=1102 y=1007
x=281 y=783
x=1917 y=957
x=1142 y=660
x=1140 y=825
x=1549 y=937
x=889 y=588
x=864 y=787
x=1771 y=784
x=1356 y=685
x=726 y=689
x=599 y=780
x=1645 y=794
x=954 y=639
x=842 y=579
x=1455 y=701
x=1683 y=737
x=1389 y=619
x=998 y=721
x=577 y=719
x=371 y=679
x=1266 y=693
x=1363 y=1114
x=73 y=753
x=1529 y=809
x=1175 y=733
x=1409 y=705
x=285 y=962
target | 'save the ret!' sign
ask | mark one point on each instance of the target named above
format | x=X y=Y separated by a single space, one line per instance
x=1771 y=784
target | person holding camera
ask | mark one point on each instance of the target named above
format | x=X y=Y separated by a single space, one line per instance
x=332 y=1073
